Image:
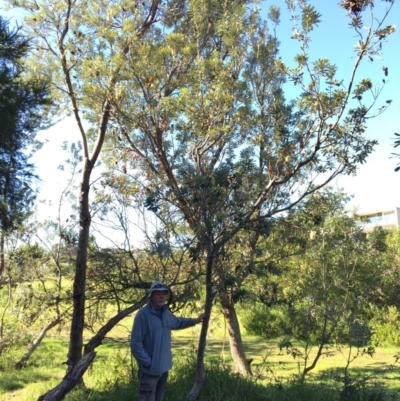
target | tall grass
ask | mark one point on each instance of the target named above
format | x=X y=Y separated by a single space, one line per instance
x=113 y=376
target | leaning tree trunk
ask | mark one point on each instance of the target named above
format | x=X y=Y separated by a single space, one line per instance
x=240 y=362
x=36 y=342
x=79 y=286
x=95 y=341
x=70 y=380
x=75 y=376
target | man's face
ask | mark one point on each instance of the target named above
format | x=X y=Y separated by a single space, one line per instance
x=158 y=298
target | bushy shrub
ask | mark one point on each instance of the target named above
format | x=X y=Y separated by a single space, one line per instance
x=263 y=321
x=385 y=324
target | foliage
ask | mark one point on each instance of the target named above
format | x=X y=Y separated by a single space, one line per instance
x=385 y=326
x=268 y=322
x=396 y=143
x=22 y=103
x=390 y=282
x=322 y=286
x=170 y=107
x=33 y=298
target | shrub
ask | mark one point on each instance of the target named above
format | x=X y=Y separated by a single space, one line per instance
x=263 y=321
x=385 y=325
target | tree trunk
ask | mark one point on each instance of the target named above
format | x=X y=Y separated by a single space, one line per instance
x=36 y=343
x=70 y=380
x=79 y=287
x=4 y=220
x=2 y=256
x=200 y=374
x=240 y=362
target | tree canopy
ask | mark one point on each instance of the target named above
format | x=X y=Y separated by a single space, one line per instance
x=22 y=102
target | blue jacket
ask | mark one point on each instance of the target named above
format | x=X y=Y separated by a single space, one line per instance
x=151 y=338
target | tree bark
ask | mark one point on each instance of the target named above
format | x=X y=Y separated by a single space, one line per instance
x=70 y=380
x=36 y=343
x=2 y=256
x=241 y=364
x=200 y=374
x=79 y=286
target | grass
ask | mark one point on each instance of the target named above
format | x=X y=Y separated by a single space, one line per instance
x=44 y=370
x=113 y=373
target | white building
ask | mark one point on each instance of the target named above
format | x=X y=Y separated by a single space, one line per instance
x=385 y=218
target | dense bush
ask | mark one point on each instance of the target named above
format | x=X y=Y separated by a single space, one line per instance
x=385 y=325
x=383 y=328
x=263 y=321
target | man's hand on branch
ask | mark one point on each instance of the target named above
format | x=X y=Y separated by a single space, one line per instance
x=201 y=318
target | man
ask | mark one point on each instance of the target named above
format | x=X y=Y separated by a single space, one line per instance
x=151 y=342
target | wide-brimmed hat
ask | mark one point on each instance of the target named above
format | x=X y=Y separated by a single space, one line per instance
x=157 y=286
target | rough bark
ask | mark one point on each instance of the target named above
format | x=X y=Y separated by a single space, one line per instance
x=36 y=343
x=79 y=286
x=2 y=256
x=70 y=380
x=241 y=364
x=200 y=374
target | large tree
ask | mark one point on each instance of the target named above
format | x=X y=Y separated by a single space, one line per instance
x=203 y=125
x=22 y=101
x=80 y=47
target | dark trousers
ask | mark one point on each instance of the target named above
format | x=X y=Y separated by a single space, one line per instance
x=152 y=388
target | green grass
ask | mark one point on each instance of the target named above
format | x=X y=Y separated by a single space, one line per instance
x=44 y=370
x=113 y=377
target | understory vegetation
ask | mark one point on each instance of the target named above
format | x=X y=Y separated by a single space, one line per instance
x=113 y=375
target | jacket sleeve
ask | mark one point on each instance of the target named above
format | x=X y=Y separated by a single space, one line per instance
x=137 y=342
x=178 y=323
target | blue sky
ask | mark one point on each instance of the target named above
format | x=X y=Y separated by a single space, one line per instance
x=376 y=185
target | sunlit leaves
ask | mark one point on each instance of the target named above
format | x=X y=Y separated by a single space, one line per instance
x=274 y=14
x=204 y=89
x=309 y=18
x=363 y=86
x=384 y=32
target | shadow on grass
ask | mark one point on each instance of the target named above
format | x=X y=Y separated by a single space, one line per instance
x=12 y=382
x=386 y=377
x=44 y=365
